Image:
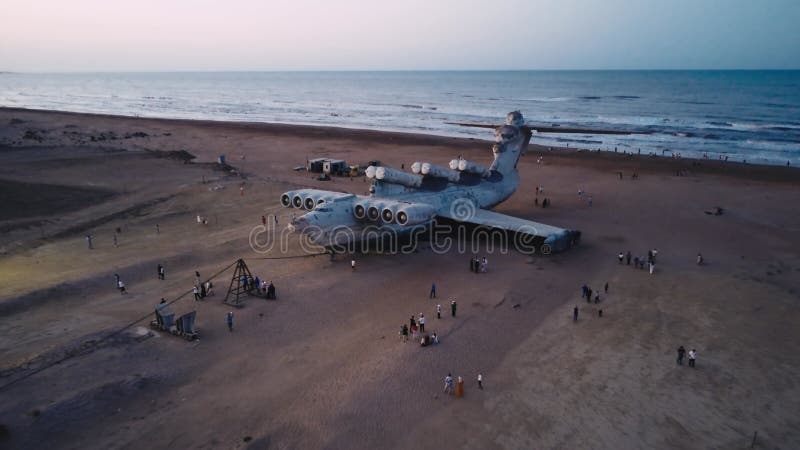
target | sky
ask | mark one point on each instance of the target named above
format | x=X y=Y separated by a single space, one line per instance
x=234 y=35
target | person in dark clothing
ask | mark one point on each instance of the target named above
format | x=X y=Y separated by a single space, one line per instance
x=453 y=308
x=471 y=264
x=599 y=313
x=412 y=322
x=628 y=257
x=229 y=320
x=158 y=271
x=596 y=298
x=433 y=291
x=606 y=287
x=575 y=314
x=588 y=295
x=584 y=291
x=271 y=291
x=202 y=290
x=681 y=353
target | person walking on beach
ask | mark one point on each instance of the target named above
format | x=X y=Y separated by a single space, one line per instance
x=158 y=271
x=89 y=241
x=229 y=320
x=620 y=256
x=681 y=353
x=438 y=311
x=433 y=291
x=692 y=357
x=453 y=308
x=158 y=231
x=412 y=323
x=480 y=381
x=575 y=314
x=699 y=259
x=448 y=384
x=404 y=333
x=120 y=286
x=353 y=264
x=421 y=323
x=606 y=287
x=628 y=257
x=196 y=293
x=161 y=271
x=588 y=295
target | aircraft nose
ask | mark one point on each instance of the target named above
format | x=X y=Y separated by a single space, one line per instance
x=297 y=225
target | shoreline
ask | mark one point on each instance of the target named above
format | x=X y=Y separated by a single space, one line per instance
x=757 y=171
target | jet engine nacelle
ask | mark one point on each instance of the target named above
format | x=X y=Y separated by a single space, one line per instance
x=414 y=214
x=308 y=199
x=389 y=211
x=374 y=210
x=395 y=176
x=432 y=170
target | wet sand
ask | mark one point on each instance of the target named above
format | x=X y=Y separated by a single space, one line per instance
x=322 y=367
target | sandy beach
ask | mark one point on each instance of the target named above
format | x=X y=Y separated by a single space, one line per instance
x=322 y=367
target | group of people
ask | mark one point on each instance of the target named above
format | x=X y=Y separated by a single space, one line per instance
x=639 y=262
x=267 y=289
x=545 y=201
x=477 y=265
x=201 y=290
x=586 y=292
x=416 y=329
x=692 y=356
x=456 y=385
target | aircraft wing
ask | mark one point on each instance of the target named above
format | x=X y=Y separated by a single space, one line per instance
x=555 y=238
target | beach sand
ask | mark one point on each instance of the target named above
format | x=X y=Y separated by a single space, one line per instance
x=322 y=367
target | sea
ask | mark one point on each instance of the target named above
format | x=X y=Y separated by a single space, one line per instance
x=751 y=116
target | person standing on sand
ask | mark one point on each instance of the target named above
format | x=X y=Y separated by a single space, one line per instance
x=596 y=298
x=89 y=241
x=453 y=308
x=404 y=333
x=158 y=231
x=448 y=384
x=699 y=259
x=480 y=381
x=121 y=286
x=681 y=352
x=620 y=256
x=692 y=357
x=196 y=293
x=575 y=314
x=353 y=264
x=229 y=320
x=421 y=323
x=606 y=287
x=628 y=257
x=196 y=278
x=588 y=295
x=438 y=311
x=412 y=323
x=433 y=291
x=161 y=271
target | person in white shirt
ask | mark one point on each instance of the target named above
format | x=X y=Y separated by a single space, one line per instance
x=480 y=381
x=692 y=357
x=353 y=264
x=421 y=323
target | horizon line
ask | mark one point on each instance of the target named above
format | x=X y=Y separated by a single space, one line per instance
x=45 y=72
